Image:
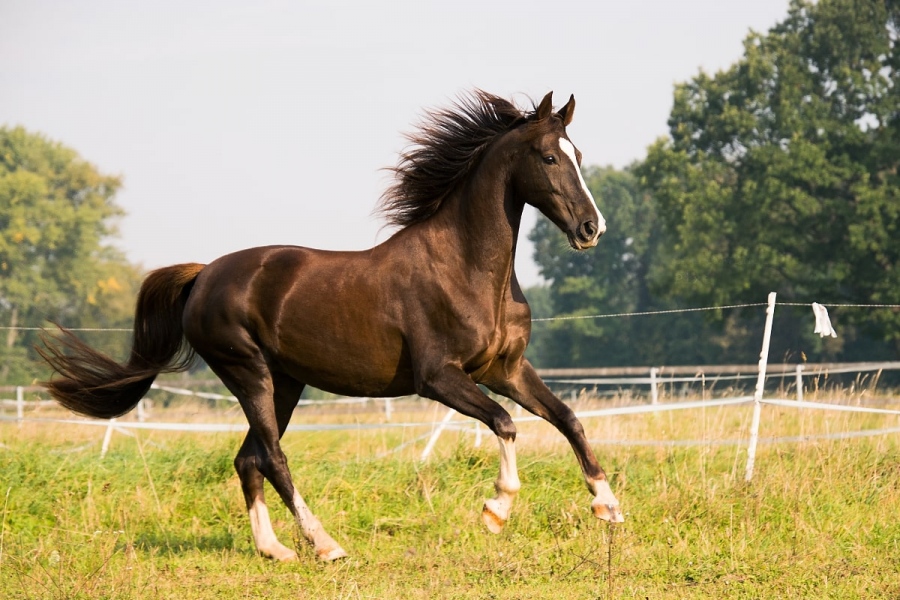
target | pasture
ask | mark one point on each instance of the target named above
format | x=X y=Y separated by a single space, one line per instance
x=161 y=515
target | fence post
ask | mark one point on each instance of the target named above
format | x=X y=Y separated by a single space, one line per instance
x=388 y=409
x=107 y=438
x=799 y=375
x=140 y=411
x=20 y=404
x=760 y=385
x=477 y=433
x=654 y=391
x=436 y=434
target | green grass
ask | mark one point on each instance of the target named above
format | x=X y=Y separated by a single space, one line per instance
x=162 y=516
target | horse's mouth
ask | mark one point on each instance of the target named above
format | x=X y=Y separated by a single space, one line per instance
x=580 y=245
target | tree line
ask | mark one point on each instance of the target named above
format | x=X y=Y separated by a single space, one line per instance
x=779 y=173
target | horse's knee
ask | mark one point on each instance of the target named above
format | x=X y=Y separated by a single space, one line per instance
x=503 y=427
x=575 y=425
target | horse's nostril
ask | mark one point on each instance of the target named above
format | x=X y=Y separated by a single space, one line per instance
x=588 y=230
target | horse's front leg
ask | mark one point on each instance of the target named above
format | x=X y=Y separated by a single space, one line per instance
x=524 y=387
x=496 y=510
x=452 y=387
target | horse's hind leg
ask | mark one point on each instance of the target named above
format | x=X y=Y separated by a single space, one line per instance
x=252 y=485
x=247 y=464
x=268 y=405
x=286 y=393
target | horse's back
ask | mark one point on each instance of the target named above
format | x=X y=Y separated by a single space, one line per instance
x=322 y=317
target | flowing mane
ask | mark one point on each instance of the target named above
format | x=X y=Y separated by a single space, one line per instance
x=446 y=146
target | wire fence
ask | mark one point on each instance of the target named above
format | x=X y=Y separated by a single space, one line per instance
x=655 y=378
x=556 y=318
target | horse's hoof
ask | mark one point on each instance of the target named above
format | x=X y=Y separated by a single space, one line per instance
x=605 y=505
x=332 y=554
x=492 y=520
x=608 y=512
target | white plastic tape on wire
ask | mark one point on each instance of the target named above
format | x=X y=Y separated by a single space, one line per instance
x=823 y=322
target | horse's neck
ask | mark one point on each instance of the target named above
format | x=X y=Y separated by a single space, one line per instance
x=482 y=218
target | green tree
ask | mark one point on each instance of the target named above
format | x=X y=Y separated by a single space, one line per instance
x=781 y=173
x=611 y=278
x=56 y=213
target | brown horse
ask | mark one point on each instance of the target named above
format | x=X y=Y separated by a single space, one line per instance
x=434 y=310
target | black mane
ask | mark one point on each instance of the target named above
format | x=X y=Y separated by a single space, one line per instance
x=446 y=146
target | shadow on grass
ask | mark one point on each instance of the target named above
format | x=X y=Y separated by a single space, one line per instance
x=180 y=544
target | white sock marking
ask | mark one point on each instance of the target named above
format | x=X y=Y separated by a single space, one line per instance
x=309 y=524
x=496 y=510
x=261 y=527
x=325 y=546
x=508 y=481
x=603 y=493
x=507 y=484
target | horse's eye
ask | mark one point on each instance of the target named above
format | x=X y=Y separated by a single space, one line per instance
x=550 y=159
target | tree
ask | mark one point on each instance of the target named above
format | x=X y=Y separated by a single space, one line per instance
x=56 y=212
x=781 y=173
x=611 y=278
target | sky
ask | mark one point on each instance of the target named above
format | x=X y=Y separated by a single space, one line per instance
x=236 y=124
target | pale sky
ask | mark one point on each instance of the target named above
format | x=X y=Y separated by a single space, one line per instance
x=238 y=124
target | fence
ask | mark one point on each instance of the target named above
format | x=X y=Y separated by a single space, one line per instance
x=706 y=375
x=655 y=377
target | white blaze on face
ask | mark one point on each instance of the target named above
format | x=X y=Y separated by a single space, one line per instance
x=569 y=150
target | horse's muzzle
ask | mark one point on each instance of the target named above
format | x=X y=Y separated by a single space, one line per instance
x=587 y=235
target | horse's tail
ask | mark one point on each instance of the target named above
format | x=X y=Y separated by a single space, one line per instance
x=94 y=384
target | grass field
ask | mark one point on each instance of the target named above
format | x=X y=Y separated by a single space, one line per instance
x=162 y=516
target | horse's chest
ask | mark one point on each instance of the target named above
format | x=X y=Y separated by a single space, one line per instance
x=498 y=345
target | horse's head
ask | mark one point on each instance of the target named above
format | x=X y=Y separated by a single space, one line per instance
x=548 y=175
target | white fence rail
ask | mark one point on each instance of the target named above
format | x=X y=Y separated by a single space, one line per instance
x=655 y=377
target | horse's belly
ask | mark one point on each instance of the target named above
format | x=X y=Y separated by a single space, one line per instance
x=340 y=363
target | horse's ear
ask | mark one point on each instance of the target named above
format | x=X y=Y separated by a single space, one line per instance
x=568 y=111
x=545 y=107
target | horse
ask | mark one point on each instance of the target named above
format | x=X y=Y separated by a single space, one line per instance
x=434 y=310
